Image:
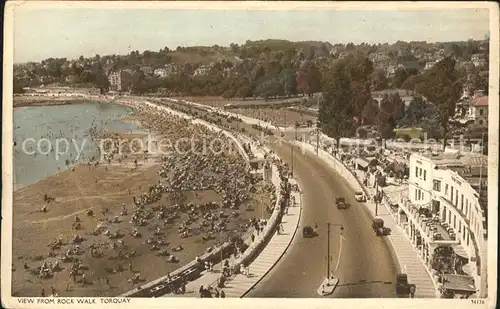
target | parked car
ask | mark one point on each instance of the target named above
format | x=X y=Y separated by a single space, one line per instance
x=359 y=196
x=341 y=203
x=378 y=226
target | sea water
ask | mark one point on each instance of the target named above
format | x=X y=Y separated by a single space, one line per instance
x=40 y=130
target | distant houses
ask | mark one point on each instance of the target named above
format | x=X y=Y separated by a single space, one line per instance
x=120 y=80
x=202 y=70
x=472 y=109
x=405 y=95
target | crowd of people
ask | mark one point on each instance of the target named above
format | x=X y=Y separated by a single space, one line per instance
x=149 y=217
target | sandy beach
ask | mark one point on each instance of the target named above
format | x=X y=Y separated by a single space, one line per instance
x=192 y=201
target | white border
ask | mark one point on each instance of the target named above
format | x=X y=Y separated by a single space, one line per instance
x=7 y=135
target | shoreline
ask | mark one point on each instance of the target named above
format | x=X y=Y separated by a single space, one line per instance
x=47 y=100
x=127 y=118
x=104 y=188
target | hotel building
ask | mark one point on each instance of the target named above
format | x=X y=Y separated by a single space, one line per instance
x=446 y=208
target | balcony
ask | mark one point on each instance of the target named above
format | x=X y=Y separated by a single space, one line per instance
x=431 y=226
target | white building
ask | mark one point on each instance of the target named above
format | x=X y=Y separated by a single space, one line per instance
x=429 y=65
x=478 y=109
x=147 y=70
x=161 y=72
x=202 y=70
x=447 y=207
x=478 y=60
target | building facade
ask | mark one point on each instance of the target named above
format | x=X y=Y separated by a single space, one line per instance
x=447 y=207
x=478 y=109
x=120 y=80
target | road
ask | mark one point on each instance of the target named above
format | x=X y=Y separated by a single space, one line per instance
x=367 y=268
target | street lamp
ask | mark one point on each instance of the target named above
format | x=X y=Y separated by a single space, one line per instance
x=330 y=283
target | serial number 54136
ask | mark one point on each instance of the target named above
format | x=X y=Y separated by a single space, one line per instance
x=477 y=301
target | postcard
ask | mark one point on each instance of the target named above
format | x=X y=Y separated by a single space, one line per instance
x=275 y=154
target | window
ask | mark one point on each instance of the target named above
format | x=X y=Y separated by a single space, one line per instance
x=425 y=175
x=420 y=172
x=436 y=185
x=461 y=202
x=481 y=112
x=446 y=189
x=459 y=226
x=416 y=194
x=456 y=198
x=454 y=221
x=451 y=194
x=467 y=239
x=416 y=171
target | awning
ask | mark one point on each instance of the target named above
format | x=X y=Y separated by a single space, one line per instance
x=459 y=283
x=393 y=197
x=467 y=268
x=460 y=251
x=361 y=162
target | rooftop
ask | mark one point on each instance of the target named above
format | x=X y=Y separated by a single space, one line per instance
x=480 y=101
x=451 y=160
x=473 y=168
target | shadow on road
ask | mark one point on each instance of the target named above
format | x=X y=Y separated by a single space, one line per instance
x=365 y=282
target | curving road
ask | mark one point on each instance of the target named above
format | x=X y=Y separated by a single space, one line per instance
x=367 y=268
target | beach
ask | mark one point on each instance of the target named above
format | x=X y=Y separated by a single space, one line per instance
x=99 y=224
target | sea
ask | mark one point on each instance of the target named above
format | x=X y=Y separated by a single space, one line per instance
x=48 y=139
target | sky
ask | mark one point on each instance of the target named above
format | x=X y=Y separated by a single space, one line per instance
x=71 y=32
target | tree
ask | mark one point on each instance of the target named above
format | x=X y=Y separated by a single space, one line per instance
x=442 y=86
x=379 y=80
x=309 y=78
x=385 y=120
x=400 y=77
x=17 y=85
x=415 y=112
x=288 y=79
x=102 y=81
x=87 y=77
x=369 y=115
x=359 y=70
x=228 y=94
x=243 y=92
x=336 y=111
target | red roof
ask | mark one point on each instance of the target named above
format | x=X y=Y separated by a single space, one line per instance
x=480 y=101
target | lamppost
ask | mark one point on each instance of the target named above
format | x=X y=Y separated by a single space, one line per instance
x=330 y=283
x=317 y=140
x=377 y=197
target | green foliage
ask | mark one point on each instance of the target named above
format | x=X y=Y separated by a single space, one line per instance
x=379 y=80
x=442 y=86
x=392 y=109
x=309 y=78
x=400 y=77
x=336 y=110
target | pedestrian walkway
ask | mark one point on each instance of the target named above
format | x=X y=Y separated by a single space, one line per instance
x=408 y=257
x=239 y=285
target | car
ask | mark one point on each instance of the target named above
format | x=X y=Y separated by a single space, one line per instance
x=308 y=232
x=359 y=196
x=341 y=203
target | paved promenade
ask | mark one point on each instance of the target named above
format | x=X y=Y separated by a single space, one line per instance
x=239 y=285
x=406 y=254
